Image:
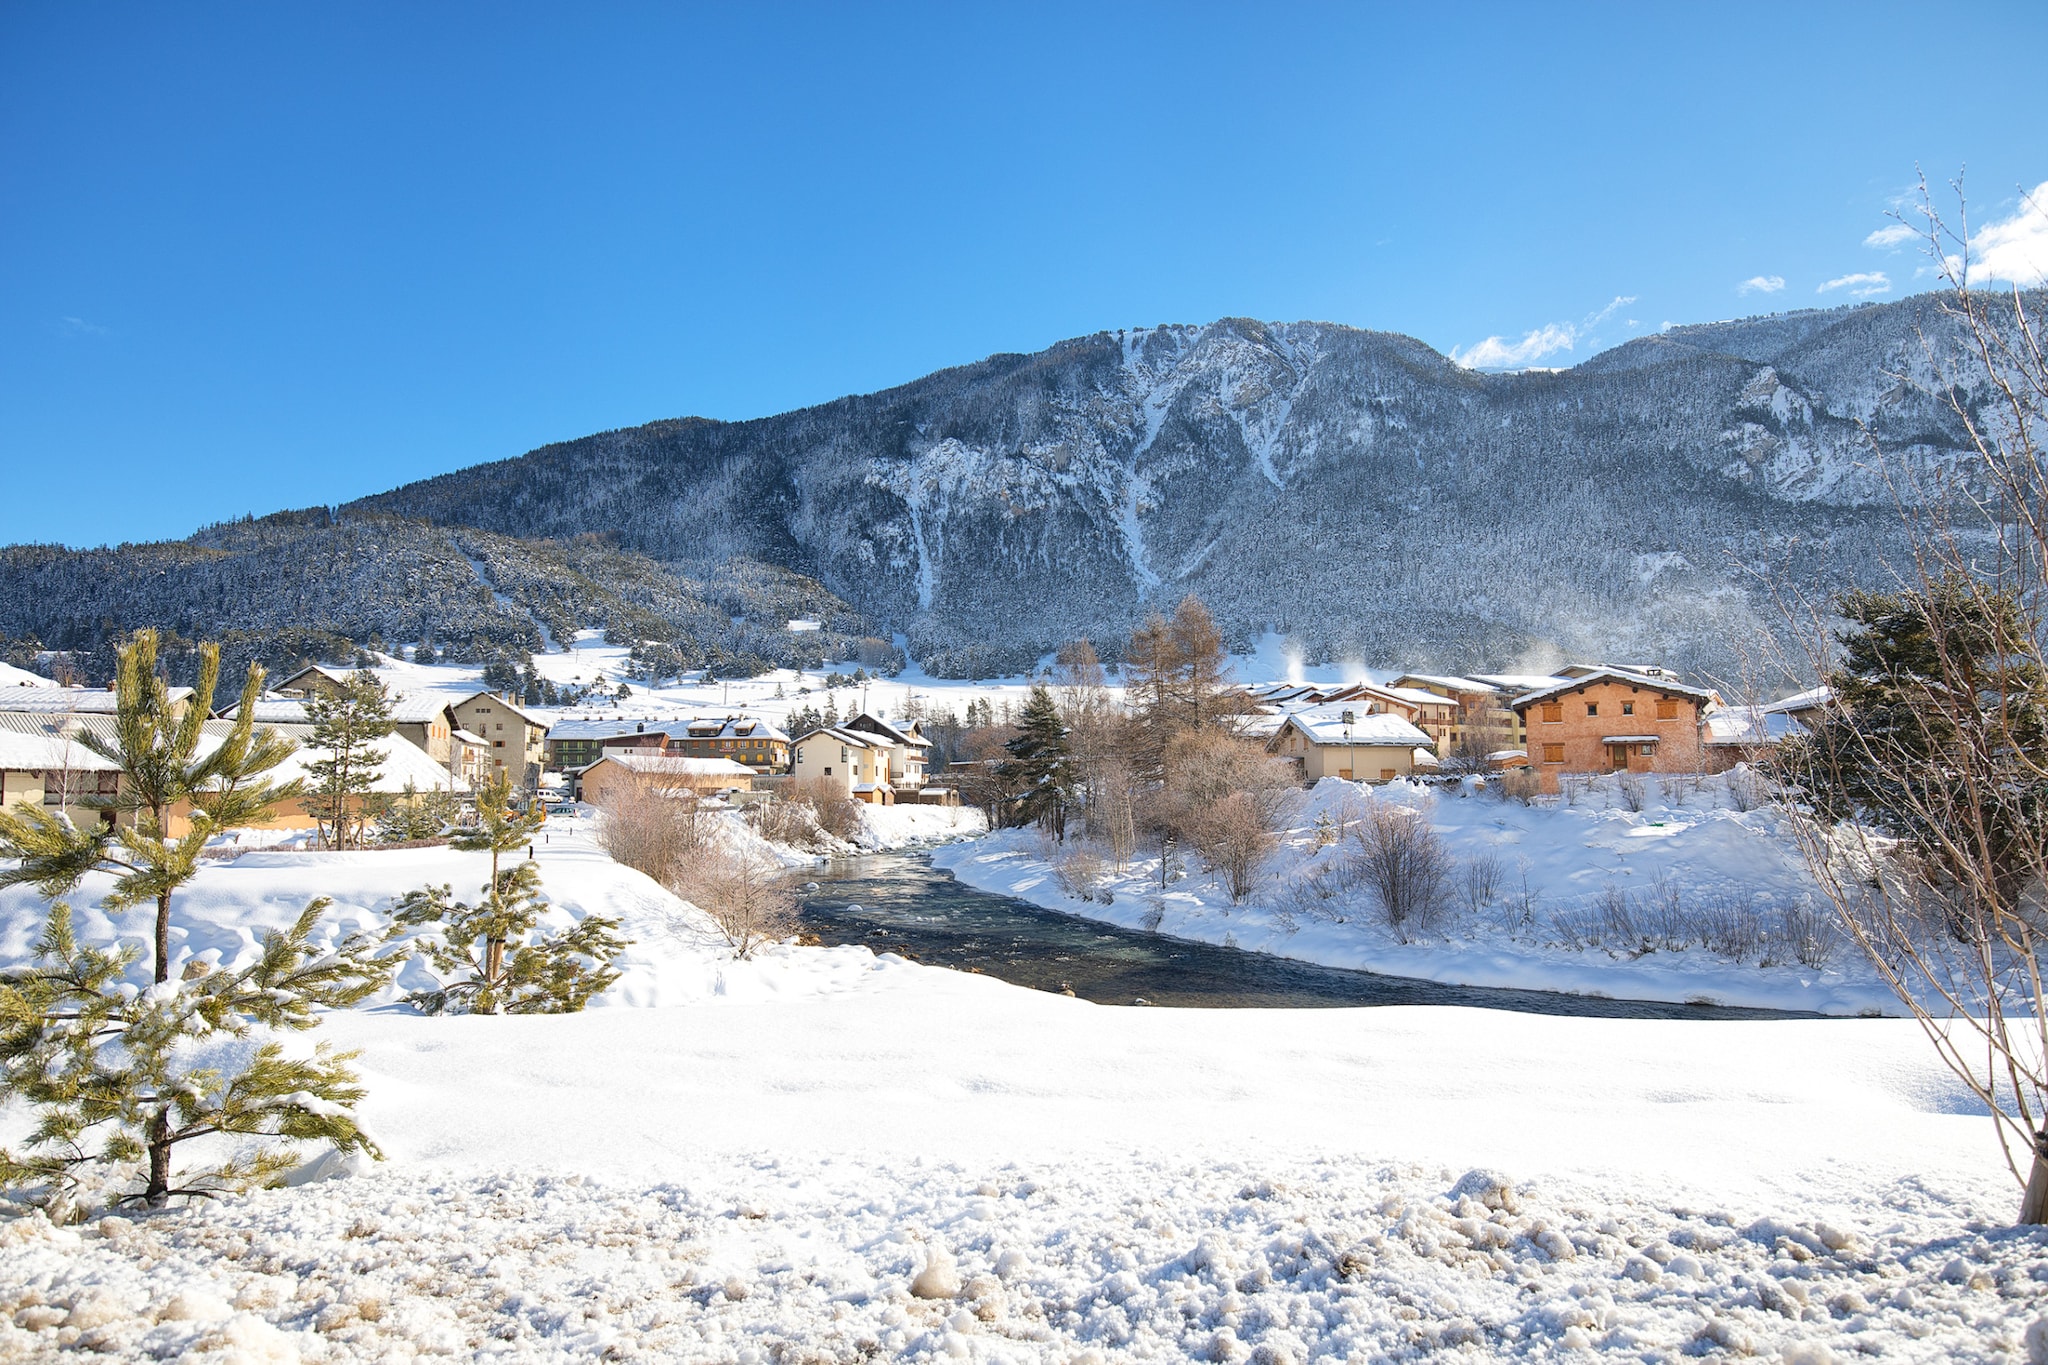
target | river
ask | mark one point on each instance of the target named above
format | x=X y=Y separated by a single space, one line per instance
x=901 y=903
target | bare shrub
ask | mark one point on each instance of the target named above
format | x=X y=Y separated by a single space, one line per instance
x=1746 y=789
x=1482 y=879
x=1632 y=788
x=1235 y=835
x=1404 y=863
x=832 y=810
x=1227 y=798
x=748 y=895
x=650 y=831
x=1519 y=785
x=1572 y=786
x=1077 y=868
x=785 y=821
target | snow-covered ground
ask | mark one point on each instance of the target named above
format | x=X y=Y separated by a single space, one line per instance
x=824 y=1154
x=1557 y=865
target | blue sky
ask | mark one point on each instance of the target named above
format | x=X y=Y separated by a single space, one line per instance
x=282 y=255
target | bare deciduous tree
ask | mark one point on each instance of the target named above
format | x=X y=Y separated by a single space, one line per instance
x=747 y=894
x=1404 y=863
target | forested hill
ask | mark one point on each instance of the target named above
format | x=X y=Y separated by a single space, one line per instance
x=1353 y=489
x=312 y=585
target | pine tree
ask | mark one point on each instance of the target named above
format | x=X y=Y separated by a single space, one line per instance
x=1040 y=765
x=509 y=972
x=1937 y=730
x=346 y=727
x=116 y=1075
x=415 y=815
x=501 y=828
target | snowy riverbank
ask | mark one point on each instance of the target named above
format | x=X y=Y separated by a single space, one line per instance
x=826 y=1153
x=1546 y=925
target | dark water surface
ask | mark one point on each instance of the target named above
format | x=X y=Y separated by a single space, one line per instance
x=901 y=903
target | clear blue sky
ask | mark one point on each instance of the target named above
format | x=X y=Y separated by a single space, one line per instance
x=279 y=255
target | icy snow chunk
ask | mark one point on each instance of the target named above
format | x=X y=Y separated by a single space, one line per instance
x=940 y=1278
x=1490 y=1188
x=250 y=1340
x=1817 y=1353
x=2036 y=1339
x=194 y=1305
x=332 y=1164
x=96 y=1306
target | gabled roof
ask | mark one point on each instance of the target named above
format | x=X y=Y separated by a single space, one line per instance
x=275 y=710
x=403 y=761
x=662 y=765
x=309 y=668
x=601 y=727
x=875 y=726
x=1747 y=726
x=1812 y=699
x=1326 y=725
x=535 y=722
x=844 y=736
x=24 y=751
x=730 y=726
x=1516 y=683
x=84 y=701
x=1561 y=686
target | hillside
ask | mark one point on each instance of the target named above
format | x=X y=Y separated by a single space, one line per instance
x=1353 y=489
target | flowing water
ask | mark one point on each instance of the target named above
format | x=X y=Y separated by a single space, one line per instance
x=901 y=903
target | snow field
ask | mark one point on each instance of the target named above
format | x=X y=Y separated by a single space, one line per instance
x=783 y=1258
x=1690 y=844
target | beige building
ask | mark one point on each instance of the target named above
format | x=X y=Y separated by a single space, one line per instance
x=1606 y=720
x=423 y=721
x=43 y=764
x=309 y=680
x=633 y=774
x=518 y=742
x=1342 y=739
x=906 y=752
x=846 y=761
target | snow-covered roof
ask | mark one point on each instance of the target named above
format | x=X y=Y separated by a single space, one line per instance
x=25 y=752
x=600 y=727
x=1413 y=695
x=662 y=765
x=403 y=761
x=726 y=727
x=850 y=738
x=877 y=726
x=275 y=710
x=1516 y=682
x=1748 y=725
x=1450 y=680
x=469 y=737
x=1326 y=725
x=10 y=676
x=84 y=701
x=1812 y=699
x=1559 y=686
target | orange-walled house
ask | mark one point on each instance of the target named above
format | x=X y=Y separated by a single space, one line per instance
x=1608 y=720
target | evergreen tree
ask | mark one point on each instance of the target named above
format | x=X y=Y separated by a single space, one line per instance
x=507 y=970
x=118 y=1076
x=1937 y=730
x=501 y=828
x=416 y=815
x=346 y=727
x=1040 y=767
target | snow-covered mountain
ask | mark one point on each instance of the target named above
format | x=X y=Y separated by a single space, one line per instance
x=1354 y=489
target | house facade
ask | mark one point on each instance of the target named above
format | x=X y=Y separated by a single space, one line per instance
x=518 y=741
x=576 y=744
x=634 y=774
x=742 y=739
x=1343 y=740
x=846 y=762
x=907 y=753
x=1607 y=720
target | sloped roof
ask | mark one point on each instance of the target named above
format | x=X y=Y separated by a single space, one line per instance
x=526 y=716
x=1326 y=725
x=1812 y=699
x=1516 y=683
x=1561 y=686
x=84 y=701
x=662 y=765
x=1748 y=725
x=275 y=710
x=29 y=752
x=851 y=738
x=403 y=761
x=876 y=725
x=10 y=676
x=1452 y=681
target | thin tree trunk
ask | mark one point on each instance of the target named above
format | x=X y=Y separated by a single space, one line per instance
x=2034 y=1204
x=163 y=937
x=494 y=960
x=159 y=1186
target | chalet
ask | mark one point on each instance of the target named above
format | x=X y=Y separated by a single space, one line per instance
x=908 y=751
x=43 y=764
x=76 y=701
x=1346 y=741
x=845 y=761
x=1608 y=720
x=421 y=720
x=1483 y=715
x=309 y=680
x=637 y=774
x=743 y=739
x=518 y=741
x=575 y=744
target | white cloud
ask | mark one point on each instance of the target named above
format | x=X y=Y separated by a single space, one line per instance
x=1891 y=236
x=1498 y=353
x=1862 y=285
x=2015 y=250
x=79 y=327
x=1761 y=284
x=1621 y=301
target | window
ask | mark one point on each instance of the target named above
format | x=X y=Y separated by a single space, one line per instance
x=1647 y=750
x=828 y=772
x=1553 y=710
x=1667 y=708
x=499 y=726
x=1628 y=708
x=1553 y=753
x=497 y=744
x=1592 y=708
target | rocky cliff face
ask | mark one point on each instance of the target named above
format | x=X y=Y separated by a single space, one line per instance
x=1353 y=489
